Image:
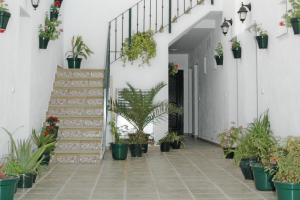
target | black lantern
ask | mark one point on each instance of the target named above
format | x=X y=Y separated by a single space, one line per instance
x=35 y=3
x=225 y=26
x=244 y=9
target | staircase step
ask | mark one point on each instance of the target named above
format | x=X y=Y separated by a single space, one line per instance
x=71 y=82
x=62 y=110
x=79 y=132
x=83 y=92
x=76 y=157
x=76 y=100
x=79 y=73
x=80 y=122
x=78 y=144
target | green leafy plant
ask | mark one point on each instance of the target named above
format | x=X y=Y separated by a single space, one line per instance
x=259 y=30
x=176 y=138
x=199 y=2
x=116 y=133
x=219 y=50
x=168 y=138
x=173 y=69
x=142 y=46
x=235 y=44
x=43 y=138
x=50 y=30
x=230 y=138
x=292 y=13
x=288 y=162
x=79 y=48
x=3 y=6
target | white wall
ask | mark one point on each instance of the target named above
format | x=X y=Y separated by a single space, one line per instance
x=27 y=73
x=278 y=82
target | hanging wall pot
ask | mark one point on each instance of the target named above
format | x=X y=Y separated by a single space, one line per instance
x=237 y=52
x=295 y=22
x=4 y=18
x=262 y=41
x=43 y=42
x=219 y=60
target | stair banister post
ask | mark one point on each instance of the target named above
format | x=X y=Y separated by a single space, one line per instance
x=129 y=27
x=170 y=16
x=212 y=2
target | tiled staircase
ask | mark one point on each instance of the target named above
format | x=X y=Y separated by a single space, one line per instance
x=77 y=100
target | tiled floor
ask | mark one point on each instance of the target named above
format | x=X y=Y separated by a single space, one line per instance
x=198 y=172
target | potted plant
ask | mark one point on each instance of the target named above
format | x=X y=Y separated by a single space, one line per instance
x=219 y=54
x=52 y=127
x=23 y=161
x=4 y=16
x=8 y=184
x=262 y=37
x=229 y=140
x=165 y=142
x=236 y=48
x=178 y=140
x=139 y=109
x=287 y=178
x=120 y=147
x=136 y=141
x=54 y=10
x=79 y=49
x=292 y=18
x=173 y=69
x=141 y=46
x=48 y=32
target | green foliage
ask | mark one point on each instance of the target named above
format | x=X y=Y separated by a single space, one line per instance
x=51 y=29
x=230 y=138
x=292 y=13
x=259 y=30
x=199 y=2
x=43 y=139
x=116 y=133
x=168 y=138
x=3 y=6
x=138 y=138
x=142 y=46
x=235 y=44
x=288 y=162
x=22 y=158
x=219 y=49
x=79 y=48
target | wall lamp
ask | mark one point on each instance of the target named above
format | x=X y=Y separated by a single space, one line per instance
x=35 y=3
x=225 y=26
x=244 y=9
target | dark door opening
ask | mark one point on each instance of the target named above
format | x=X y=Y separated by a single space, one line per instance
x=176 y=98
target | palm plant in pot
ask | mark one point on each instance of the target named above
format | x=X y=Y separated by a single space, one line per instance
x=262 y=37
x=236 y=48
x=4 y=16
x=120 y=147
x=229 y=140
x=48 y=31
x=219 y=54
x=8 y=184
x=79 y=49
x=287 y=178
x=292 y=18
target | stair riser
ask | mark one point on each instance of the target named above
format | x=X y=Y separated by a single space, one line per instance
x=80 y=123
x=79 y=74
x=76 y=159
x=82 y=83
x=84 y=92
x=76 y=101
x=76 y=133
x=75 y=111
x=78 y=146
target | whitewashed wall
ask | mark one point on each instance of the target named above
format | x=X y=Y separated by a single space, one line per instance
x=27 y=73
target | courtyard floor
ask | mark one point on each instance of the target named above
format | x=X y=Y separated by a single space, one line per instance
x=197 y=172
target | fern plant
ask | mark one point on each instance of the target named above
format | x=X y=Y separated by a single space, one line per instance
x=79 y=48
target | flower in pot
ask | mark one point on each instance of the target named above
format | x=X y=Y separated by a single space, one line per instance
x=236 y=48
x=229 y=140
x=292 y=18
x=79 y=49
x=141 y=46
x=7 y=184
x=165 y=142
x=4 y=16
x=49 y=31
x=23 y=161
x=219 y=54
x=178 y=140
x=139 y=109
x=262 y=37
x=120 y=147
x=287 y=178
x=52 y=127
x=54 y=10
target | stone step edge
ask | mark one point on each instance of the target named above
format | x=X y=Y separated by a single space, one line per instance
x=79 y=116
x=80 y=106
x=78 y=88
x=79 y=97
x=76 y=152
x=80 y=139
x=58 y=78
x=80 y=128
x=60 y=68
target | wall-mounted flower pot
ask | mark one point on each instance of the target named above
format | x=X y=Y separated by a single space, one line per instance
x=246 y=168
x=237 y=52
x=25 y=180
x=176 y=145
x=229 y=153
x=287 y=191
x=119 y=151
x=262 y=41
x=4 y=18
x=296 y=25
x=43 y=42
x=74 y=63
x=219 y=60
x=262 y=179
x=136 y=150
x=54 y=16
x=8 y=187
x=165 y=147
x=145 y=148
